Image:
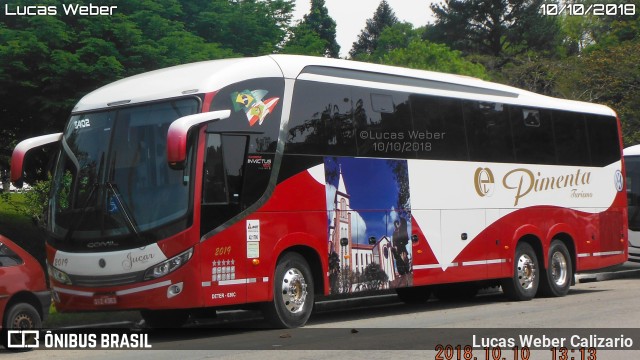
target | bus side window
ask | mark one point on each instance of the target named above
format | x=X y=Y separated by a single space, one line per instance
x=439 y=128
x=532 y=135
x=321 y=120
x=223 y=169
x=488 y=132
x=214 y=189
x=383 y=123
x=603 y=139
x=571 y=138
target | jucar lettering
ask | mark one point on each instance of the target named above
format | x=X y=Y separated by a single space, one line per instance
x=131 y=260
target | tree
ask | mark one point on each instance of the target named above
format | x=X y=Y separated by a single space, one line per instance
x=609 y=76
x=425 y=55
x=374 y=278
x=319 y=22
x=304 y=41
x=367 y=41
x=247 y=27
x=499 y=28
x=50 y=62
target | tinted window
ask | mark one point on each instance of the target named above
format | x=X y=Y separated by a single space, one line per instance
x=321 y=120
x=571 y=138
x=532 y=135
x=632 y=165
x=383 y=123
x=488 y=131
x=438 y=128
x=8 y=257
x=603 y=139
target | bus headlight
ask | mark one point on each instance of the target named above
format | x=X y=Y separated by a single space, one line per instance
x=59 y=276
x=168 y=266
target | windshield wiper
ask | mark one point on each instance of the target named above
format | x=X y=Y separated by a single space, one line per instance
x=126 y=212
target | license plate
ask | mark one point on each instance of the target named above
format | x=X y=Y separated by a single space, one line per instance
x=105 y=300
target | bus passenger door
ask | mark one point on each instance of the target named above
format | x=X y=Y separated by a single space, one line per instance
x=223 y=250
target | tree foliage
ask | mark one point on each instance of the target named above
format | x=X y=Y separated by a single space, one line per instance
x=319 y=22
x=304 y=41
x=401 y=45
x=367 y=41
x=493 y=27
x=50 y=62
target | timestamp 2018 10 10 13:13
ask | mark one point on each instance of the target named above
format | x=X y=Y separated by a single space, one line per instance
x=459 y=352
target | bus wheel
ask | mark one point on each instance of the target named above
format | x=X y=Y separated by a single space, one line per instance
x=292 y=293
x=414 y=295
x=526 y=276
x=162 y=319
x=556 y=280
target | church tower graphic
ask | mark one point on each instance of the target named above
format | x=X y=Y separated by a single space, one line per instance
x=367 y=264
x=340 y=227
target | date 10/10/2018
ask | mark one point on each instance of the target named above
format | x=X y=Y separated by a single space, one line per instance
x=591 y=9
x=450 y=352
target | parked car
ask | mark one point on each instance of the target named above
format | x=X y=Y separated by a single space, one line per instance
x=24 y=297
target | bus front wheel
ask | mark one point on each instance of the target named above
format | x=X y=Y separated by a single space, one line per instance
x=526 y=275
x=556 y=280
x=292 y=293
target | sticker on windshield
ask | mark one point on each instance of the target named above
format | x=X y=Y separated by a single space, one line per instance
x=254 y=104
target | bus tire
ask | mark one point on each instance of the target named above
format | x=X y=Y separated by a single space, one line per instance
x=556 y=280
x=293 y=294
x=526 y=275
x=414 y=295
x=164 y=319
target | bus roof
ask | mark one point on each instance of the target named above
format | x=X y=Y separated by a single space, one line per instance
x=208 y=76
x=632 y=150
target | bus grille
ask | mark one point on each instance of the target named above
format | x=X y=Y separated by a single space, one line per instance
x=110 y=280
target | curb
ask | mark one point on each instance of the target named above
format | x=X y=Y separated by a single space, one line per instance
x=611 y=275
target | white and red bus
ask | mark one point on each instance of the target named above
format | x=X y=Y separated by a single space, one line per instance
x=632 y=166
x=277 y=179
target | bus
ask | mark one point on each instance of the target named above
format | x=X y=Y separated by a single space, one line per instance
x=632 y=166
x=276 y=180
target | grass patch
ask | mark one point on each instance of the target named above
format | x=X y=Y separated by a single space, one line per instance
x=19 y=227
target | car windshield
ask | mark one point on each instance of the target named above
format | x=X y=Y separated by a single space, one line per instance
x=112 y=186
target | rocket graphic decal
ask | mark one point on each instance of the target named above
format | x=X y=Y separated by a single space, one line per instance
x=253 y=105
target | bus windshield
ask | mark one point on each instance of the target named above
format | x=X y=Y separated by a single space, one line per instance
x=112 y=187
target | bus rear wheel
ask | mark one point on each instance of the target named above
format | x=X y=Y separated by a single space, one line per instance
x=526 y=275
x=556 y=280
x=292 y=293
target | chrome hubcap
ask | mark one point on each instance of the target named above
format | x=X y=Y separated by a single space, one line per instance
x=294 y=290
x=559 y=269
x=526 y=271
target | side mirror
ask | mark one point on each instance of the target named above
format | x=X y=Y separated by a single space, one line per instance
x=179 y=131
x=22 y=149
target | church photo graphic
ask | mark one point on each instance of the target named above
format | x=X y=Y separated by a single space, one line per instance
x=369 y=217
